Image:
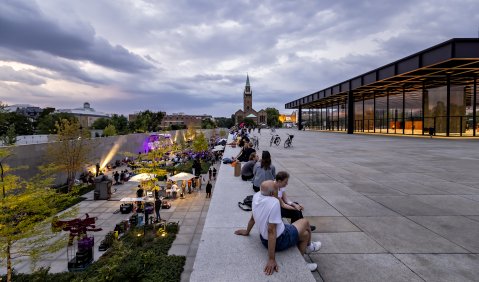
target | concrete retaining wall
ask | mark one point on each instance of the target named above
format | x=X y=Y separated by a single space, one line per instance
x=34 y=155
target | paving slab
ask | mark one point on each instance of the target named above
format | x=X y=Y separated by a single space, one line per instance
x=451 y=187
x=414 y=188
x=334 y=224
x=455 y=205
x=347 y=243
x=472 y=197
x=332 y=189
x=458 y=229
x=371 y=188
x=443 y=267
x=358 y=206
x=363 y=267
x=409 y=205
x=401 y=235
x=315 y=206
x=476 y=218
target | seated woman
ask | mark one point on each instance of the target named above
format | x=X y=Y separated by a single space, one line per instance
x=247 y=169
x=263 y=170
x=243 y=156
x=290 y=209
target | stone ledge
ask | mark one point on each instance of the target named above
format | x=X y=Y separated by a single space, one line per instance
x=224 y=256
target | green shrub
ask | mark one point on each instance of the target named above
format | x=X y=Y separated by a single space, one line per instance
x=126 y=260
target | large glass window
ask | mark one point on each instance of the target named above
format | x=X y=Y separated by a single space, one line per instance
x=381 y=112
x=342 y=115
x=395 y=111
x=435 y=99
x=358 y=114
x=476 y=126
x=369 y=113
x=458 y=122
x=413 y=110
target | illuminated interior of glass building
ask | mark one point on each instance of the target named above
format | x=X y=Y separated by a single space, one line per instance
x=431 y=92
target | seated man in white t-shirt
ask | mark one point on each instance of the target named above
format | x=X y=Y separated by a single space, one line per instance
x=274 y=234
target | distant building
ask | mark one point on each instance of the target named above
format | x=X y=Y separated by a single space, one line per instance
x=85 y=115
x=29 y=111
x=288 y=119
x=259 y=117
x=182 y=119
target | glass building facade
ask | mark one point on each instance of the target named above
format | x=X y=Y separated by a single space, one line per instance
x=433 y=91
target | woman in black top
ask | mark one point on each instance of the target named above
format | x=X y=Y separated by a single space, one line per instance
x=208 y=189
x=246 y=152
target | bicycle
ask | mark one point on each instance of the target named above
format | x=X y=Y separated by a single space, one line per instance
x=289 y=141
x=275 y=139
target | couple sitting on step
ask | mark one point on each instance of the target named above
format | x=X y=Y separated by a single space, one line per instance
x=274 y=234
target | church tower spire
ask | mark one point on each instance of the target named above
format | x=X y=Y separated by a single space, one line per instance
x=247 y=97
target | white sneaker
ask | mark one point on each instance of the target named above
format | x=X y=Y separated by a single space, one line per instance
x=312 y=266
x=313 y=247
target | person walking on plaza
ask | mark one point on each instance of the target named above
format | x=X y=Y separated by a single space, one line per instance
x=157 y=208
x=214 y=173
x=208 y=189
x=210 y=173
x=97 y=166
x=189 y=186
x=116 y=176
x=274 y=234
x=183 y=188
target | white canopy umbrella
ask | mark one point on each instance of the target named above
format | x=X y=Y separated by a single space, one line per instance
x=142 y=177
x=182 y=176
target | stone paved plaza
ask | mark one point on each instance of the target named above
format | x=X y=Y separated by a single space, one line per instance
x=189 y=212
x=387 y=208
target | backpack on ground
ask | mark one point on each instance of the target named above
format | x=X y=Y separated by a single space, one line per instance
x=246 y=204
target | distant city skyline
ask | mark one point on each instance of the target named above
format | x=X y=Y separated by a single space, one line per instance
x=193 y=56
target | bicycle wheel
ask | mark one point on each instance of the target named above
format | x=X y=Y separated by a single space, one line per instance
x=277 y=141
x=287 y=143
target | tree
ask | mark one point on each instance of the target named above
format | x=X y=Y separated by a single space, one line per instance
x=120 y=122
x=10 y=137
x=22 y=124
x=47 y=122
x=100 y=123
x=110 y=130
x=208 y=123
x=273 y=117
x=225 y=122
x=190 y=132
x=71 y=151
x=27 y=208
x=146 y=121
x=249 y=122
x=200 y=143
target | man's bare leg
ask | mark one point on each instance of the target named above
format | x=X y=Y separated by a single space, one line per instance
x=304 y=232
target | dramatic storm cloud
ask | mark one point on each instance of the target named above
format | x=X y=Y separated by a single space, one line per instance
x=192 y=56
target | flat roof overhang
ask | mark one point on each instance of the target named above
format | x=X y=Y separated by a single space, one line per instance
x=458 y=58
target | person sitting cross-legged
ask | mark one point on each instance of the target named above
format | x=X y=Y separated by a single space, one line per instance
x=274 y=234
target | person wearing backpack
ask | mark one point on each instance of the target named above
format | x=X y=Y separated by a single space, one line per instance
x=263 y=171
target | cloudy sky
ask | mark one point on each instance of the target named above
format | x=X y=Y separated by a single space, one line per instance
x=125 y=56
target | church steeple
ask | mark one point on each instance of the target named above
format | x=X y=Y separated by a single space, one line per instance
x=247 y=96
